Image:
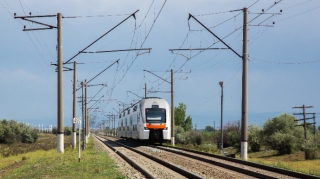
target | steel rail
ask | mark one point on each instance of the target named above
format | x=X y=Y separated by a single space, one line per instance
x=129 y=161
x=168 y=165
x=251 y=164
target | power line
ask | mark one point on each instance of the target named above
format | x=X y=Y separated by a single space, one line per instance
x=218 y=23
x=89 y=16
x=297 y=5
x=133 y=14
x=253 y=3
x=265 y=10
x=298 y=14
x=143 y=41
x=214 y=13
x=219 y=92
x=285 y=63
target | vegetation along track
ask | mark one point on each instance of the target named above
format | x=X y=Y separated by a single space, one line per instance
x=214 y=166
x=151 y=167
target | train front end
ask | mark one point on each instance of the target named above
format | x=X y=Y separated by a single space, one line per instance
x=156 y=120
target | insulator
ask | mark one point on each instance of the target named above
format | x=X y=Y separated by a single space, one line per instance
x=280 y=10
x=262 y=10
x=14 y=14
x=30 y=13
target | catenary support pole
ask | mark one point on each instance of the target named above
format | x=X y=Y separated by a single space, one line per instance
x=79 y=139
x=86 y=111
x=221 y=134
x=74 y=129
x=172 y=109
x=244 y=117
x=60 y=134
x=83 y=116
x=145 y=90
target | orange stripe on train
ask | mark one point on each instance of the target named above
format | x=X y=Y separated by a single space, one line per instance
x=155 y=126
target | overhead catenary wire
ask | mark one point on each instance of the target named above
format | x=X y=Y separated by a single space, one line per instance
x=285 y=63
x=297 y=5
x=102 y=71
x=107 y=15
x=265 y=10
x=298 y=14
x=214 y=96
x=133 y=14
x=143 y=41
x=214 y=13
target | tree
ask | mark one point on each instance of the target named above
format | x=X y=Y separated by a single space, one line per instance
x=13 y=131
x=281 y=134
x=180 y=114
x=180 y=117
x=209 y=129
x=232 y=135
x=254 y=138
x=67 y=130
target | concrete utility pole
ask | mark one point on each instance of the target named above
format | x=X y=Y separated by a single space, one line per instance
x=83 y=116
x=221 y=134
x=244 y=117
x=74 y=129
x=172 y=108
x=145 y=90
x=60 y=135
x=86 y=110
x=114 y=125
x=214 y=131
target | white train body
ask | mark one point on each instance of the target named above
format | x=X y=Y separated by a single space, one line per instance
x=148 y=119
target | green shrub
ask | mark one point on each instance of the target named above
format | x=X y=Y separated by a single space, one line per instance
x=196 y=137
x=180 y=135
x=12 y=132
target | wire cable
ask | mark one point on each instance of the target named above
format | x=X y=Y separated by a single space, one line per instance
x=298 y=14
x=297 y=5
x=285 y=63
x=224 y=86
x=214 y=13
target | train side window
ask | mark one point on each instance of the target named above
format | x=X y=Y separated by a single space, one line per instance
x=135 y=108
x=128 y=111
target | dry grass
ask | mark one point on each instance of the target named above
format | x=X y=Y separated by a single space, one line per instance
x=45 y=142
x=295 y=162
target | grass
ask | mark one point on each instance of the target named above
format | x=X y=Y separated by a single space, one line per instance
x=50 y=164
x=294 y=162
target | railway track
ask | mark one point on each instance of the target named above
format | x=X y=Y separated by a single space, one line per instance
x=150 y=167
x=253 y=169
x=214 y=166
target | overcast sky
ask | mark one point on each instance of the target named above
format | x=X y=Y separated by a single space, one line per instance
x=283 y=68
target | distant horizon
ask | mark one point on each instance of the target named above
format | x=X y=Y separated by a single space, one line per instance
x=200 y=120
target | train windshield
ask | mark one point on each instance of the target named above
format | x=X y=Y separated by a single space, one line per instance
x=155 y=115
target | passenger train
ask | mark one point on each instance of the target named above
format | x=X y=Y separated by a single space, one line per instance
x=149 y=119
